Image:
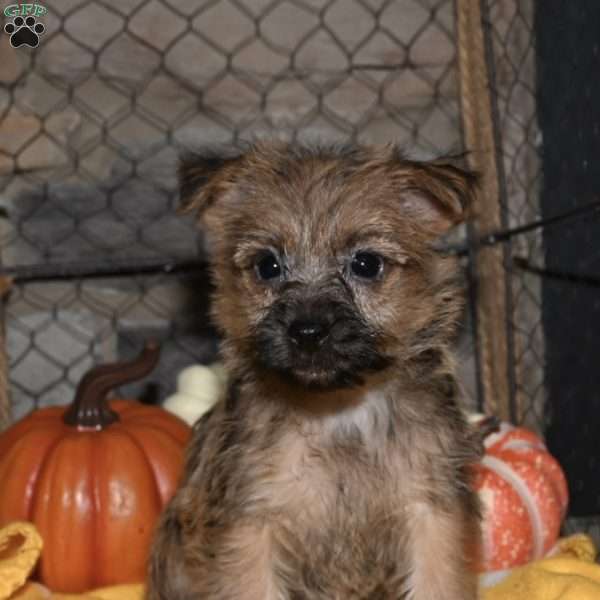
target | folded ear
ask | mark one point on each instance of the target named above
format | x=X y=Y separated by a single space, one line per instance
x=202 y=177
x=440 y=194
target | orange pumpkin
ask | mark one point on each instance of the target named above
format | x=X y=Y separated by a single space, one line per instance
x=93 y=479
x=524 y=496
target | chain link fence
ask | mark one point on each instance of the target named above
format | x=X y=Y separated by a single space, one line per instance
x=509 y=28
x=92 y=121
x=553 y=273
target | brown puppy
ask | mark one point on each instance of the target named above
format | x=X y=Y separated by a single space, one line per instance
x=337 y=467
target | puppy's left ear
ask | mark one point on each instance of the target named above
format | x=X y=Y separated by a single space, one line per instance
x=202 y=178
x=439 y=194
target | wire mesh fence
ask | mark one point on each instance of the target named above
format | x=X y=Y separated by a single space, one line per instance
x=553 y=273
x=511 y=58
x=92 y=121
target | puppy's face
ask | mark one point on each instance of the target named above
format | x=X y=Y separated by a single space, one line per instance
x=323 y=259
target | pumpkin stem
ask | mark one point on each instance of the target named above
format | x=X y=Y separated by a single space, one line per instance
x=90 y=407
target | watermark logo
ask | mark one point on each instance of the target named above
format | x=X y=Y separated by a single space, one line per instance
x=25 y=28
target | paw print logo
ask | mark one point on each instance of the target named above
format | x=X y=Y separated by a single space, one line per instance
x=24 y=32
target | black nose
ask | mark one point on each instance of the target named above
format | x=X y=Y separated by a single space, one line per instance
x=308 y=334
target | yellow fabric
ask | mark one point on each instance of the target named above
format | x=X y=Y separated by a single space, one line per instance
x=132 y=591
x=36 y=591
x=571 y=574
x=32 y=591
x=20 y=549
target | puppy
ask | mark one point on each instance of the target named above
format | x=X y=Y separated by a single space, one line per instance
x=337 y=467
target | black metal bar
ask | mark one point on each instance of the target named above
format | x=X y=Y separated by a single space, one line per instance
x=128 y=267
x=104 y=269
x=503 y=235
x=578 y=278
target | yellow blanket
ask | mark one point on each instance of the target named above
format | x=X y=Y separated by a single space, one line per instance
x=20 y=548
x=571 y=574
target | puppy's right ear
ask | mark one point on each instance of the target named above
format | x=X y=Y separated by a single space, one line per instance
x=202 y=177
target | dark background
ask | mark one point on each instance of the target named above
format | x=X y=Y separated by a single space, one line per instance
x=568 y=88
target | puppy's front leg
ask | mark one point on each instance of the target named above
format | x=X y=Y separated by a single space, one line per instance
x=234 y=564
x=169 y=577
x=442 y=541
x=243 y=565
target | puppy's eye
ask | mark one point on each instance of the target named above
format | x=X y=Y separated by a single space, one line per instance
x=366 y=265
x=268 y=267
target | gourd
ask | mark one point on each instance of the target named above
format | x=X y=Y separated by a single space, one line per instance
x=524 y=495
x=93 y=478
x=199 y=388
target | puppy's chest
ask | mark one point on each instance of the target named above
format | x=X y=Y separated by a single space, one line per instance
x=338 y=524
x=311 y=483
x=348 y=473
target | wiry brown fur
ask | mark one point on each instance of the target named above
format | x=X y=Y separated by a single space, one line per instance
x=347 y=480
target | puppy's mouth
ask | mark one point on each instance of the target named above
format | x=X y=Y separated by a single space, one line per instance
x=314 y=377
x=311 y=373
x=319 y=354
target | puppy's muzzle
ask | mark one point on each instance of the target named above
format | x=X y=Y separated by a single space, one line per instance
x=308 y=335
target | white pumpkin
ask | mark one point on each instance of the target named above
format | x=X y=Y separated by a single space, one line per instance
x=199 y=388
